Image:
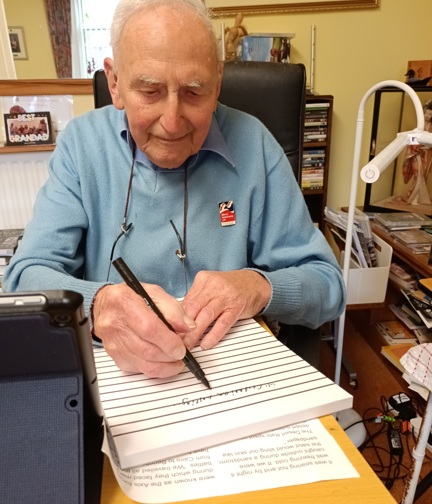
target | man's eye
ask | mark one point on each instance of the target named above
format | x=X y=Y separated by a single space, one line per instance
x=194 y=92
x=150 y=92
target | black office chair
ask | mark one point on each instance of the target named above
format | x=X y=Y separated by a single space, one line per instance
x=274 y=93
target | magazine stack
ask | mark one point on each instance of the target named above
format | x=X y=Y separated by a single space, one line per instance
x=409 y=229
x=370 y=257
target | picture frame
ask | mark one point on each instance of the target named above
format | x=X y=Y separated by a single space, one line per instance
x=232 y=7
x=17 y=42
x=33 y=128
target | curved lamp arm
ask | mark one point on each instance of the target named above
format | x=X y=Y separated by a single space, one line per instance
x=370 y=173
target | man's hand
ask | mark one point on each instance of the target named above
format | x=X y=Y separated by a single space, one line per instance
x=223 y=298
x=134 y=336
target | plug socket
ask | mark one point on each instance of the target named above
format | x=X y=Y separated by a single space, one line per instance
x=395 y=441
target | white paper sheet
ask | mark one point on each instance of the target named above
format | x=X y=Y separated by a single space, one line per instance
x=293 y=455
x=258 y=385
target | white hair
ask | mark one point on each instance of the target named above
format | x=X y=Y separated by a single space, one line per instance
x=127 y=8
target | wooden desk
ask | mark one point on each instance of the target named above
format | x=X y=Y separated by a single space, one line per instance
x=364 y=490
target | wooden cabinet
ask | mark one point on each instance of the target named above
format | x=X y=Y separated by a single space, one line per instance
x=316 y=154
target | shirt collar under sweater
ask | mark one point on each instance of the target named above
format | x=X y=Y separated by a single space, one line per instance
x=214 y=142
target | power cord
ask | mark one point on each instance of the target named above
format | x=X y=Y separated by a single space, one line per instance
x=387 y=463
x=390 y=424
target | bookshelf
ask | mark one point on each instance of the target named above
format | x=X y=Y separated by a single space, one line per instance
x=365 y=318
x=316 y=154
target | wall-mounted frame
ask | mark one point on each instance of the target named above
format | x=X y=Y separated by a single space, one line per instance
x=17 y=42
x=226 y=7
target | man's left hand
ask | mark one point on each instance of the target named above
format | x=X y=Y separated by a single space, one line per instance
x=223 y=298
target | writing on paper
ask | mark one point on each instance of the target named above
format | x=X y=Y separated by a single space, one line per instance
x=198 y=400
x=293 y=455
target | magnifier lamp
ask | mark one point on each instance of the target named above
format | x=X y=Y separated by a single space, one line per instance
x=370 y=174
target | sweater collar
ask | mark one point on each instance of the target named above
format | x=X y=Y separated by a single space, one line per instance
x=214 y=142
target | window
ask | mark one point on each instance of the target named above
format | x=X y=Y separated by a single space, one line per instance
x=91 y=32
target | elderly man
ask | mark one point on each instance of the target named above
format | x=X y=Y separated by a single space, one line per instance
x=206 y=200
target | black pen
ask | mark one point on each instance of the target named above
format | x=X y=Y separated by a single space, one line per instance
x=131 y=280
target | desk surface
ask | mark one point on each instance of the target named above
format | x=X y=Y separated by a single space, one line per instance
x=368 y=488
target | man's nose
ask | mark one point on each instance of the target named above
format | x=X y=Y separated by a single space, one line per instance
x=172 y=118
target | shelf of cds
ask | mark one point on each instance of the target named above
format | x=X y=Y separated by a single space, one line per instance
x=316 y=154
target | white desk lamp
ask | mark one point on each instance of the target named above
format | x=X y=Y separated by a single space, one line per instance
x=370 y=173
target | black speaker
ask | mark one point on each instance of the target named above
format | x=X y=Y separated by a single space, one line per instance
x=50 y=416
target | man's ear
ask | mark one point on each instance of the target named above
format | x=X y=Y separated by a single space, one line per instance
x=219 y=82
x=113 y=83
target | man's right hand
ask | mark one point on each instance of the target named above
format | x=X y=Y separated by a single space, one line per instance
x=134 y=336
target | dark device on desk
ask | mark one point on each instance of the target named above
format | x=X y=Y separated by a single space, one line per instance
x=50 y=416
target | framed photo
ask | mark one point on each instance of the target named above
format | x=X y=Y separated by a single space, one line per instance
x=32 y=128
x=230 y=7
x=17 y=42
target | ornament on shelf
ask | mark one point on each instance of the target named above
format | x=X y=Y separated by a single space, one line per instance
x=233 y=37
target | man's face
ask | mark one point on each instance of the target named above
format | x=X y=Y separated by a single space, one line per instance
x=168 y=83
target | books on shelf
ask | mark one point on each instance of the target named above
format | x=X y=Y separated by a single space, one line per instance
x=402 y=220
x=393 y=353
x=422 y=296
x=402 y=275
x=423 y=335
x=394 y=332
x=313 y=162
x=313 y=155
x=423 y=309
x=420 y=249
x=425 y=284
x=312 y=178
x=317 y=105
x=9 y=239
x=412 y=237
x=315 y=122
x=312 y=185
x=407 y=316
x=314 y=137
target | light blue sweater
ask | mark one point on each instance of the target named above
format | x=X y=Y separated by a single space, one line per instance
x=78 y=212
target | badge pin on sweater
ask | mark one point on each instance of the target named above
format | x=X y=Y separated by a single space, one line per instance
x=227 y=213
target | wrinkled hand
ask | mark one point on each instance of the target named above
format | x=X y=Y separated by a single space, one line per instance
x=223 y=298
x=134 y=336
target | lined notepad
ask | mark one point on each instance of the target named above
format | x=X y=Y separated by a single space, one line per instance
x=258 y=385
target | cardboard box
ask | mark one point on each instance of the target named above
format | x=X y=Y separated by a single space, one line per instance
x=274 y=47
x=369 y=285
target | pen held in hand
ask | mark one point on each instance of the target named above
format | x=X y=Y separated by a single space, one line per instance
x=131 y=281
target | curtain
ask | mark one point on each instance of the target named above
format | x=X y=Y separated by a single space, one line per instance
x=79 y=68
x=59 y=25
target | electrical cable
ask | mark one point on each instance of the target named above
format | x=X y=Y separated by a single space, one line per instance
x=387 y=463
